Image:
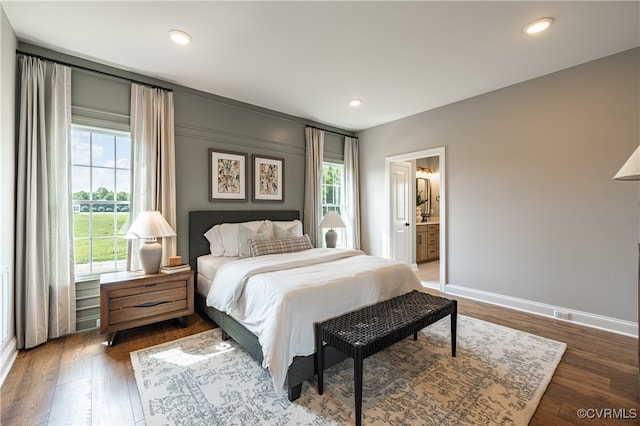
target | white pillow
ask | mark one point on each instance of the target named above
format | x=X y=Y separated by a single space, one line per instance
x=248 y=233
x=230 y=236
x=288 y=229
x=215 y=240
x=229 y=233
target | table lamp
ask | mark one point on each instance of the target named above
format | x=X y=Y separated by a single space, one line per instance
x=331 y=220
x=630 y=170
x=150 y=225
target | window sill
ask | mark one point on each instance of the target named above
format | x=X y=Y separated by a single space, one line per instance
x=87 y=278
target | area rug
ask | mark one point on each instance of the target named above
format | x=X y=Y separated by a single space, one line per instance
x=497 y=378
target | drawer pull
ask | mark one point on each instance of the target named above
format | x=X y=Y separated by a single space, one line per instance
x=152 y=304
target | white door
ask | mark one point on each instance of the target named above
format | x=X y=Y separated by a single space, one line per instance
x=401 y=215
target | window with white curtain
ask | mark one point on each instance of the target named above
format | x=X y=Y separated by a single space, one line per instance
x=101 y=190
x=332 y=176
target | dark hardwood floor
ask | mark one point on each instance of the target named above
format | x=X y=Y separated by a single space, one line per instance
x=79 y=380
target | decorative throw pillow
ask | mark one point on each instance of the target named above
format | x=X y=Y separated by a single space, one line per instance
x=287 y=229
x=215 y=240
x=285 y=245
x=248 y=233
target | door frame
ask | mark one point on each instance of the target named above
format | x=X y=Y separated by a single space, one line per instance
x=387 y=240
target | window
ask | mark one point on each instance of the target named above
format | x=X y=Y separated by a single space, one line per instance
x=332 y=193
x=101 y=188
x=331 y=187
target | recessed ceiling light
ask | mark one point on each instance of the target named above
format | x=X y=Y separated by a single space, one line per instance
x=538 y=25
x=179 y=37
x=355 y=102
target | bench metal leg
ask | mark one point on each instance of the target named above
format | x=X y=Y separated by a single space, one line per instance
x=454 y=327
x=357 y=376
x=319 y=359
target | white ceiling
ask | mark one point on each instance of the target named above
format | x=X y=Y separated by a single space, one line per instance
x=308 y=59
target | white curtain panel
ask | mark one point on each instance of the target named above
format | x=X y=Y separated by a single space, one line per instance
x=45 y=281
x=154 y=167
x=313 y=184
x=351 y=189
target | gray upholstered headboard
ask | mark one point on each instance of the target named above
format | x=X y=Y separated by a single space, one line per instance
x=200 y=221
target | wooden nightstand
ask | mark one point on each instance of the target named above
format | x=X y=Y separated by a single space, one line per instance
x=132 y=299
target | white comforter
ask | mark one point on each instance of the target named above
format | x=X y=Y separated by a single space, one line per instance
x=279 y=297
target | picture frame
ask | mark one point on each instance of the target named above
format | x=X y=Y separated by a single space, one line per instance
x=268 y=179
x=228 y=175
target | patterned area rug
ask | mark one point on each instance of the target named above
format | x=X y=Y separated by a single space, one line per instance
x=497 y=378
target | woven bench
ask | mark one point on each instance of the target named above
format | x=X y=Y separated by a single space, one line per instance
x=364 y=332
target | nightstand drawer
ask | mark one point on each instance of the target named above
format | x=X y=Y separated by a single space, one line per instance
x=146 y=310
x=147 y=289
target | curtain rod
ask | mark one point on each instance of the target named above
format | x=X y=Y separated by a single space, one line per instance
x=331 y=131
x=56 y=61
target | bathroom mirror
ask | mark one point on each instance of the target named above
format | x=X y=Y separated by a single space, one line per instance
x=423 y=196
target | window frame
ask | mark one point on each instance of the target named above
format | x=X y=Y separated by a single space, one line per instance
x=339 y=207
x=115 y=130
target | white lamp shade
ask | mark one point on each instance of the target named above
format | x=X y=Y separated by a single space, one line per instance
x=332 y=220
x=150 y=224
x=631 y=169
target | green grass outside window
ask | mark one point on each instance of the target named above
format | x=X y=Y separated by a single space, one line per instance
x=104 y=232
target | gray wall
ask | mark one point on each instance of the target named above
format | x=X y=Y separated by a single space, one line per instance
x=202 y=124
x=7 y=170
x=202 y=121
x=532 y=209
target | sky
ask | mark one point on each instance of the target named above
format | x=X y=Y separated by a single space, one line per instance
x=104 y=150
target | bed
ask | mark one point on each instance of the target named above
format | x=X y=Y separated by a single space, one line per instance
x=285 y=368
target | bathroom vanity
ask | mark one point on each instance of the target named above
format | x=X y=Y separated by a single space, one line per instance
x=427 y=241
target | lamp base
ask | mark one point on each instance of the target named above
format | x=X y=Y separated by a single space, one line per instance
x=150 y=256
x=331 y=238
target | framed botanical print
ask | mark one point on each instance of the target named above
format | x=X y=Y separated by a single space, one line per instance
x=227 y=175
x=268 y=178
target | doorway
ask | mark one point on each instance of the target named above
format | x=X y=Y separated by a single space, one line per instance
x=434 y=208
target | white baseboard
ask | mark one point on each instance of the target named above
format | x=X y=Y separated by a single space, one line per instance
x=7 y=357
x=614 y=325
x=432 y=285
